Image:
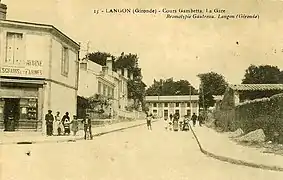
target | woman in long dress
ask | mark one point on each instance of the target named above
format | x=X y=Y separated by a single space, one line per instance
x=75 y=125
x=175 y=123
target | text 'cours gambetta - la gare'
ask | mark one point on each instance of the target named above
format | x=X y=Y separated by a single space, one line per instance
x=157 y=10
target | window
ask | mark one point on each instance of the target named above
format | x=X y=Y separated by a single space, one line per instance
x=165 y=104
x=177 y=104
x=189 y=112
x=165 y=113
x=99 y=87
x=65 y=61
x=112 y=93
x=188 y=104
x=109 y=91
x=104 y=89
x=154 y=105
x=14 y=49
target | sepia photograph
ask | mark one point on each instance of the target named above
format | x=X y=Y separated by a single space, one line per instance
x=131 y=89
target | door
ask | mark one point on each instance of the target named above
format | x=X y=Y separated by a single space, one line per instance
x=11 y=113
x=166 y=114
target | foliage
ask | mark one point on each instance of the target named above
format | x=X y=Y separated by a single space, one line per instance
x=264 y=74
x=99 y=57
x=98 y=102
x=136 y=87
x=211 y=84
x=265 y=113
x=169 y=87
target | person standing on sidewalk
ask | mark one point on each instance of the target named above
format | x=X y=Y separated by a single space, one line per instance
x=87 y=127
x=75 y=126
x=194 y=119
x=57 y=124
x=49 y=123
x=66 y=123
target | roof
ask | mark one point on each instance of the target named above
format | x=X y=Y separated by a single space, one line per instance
x=256 y=87
x=50 y=28
x=171 y=98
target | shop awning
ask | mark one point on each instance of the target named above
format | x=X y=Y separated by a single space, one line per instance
x=22 y=81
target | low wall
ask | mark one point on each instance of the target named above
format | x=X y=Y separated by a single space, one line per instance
x=266 y=114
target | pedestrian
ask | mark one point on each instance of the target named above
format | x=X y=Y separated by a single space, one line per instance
x=148 y=121
x=66 y=123
x=176 y=122
x=171 y=117
x=87 y=127
x=58 y=124
x=165 y=123
x=75 y=126
x=194 y=119
x=49 y=123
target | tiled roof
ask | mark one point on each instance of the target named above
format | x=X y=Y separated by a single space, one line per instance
x=256 y=87
x=171 y=98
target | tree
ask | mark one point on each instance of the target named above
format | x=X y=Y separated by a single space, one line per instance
x=136 y=87
x=211 y=84
x=264 y=74
x=169 y=87
x=99 y=57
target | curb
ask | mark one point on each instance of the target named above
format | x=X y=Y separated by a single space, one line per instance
x=235 y=161
x=73 y=139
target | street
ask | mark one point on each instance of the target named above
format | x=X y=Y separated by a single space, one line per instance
x=130 y=154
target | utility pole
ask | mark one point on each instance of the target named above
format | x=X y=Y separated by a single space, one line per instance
x=202 y=97
x=190 y=100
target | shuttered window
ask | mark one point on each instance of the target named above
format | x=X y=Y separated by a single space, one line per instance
x=14 y=49
x=65 y=61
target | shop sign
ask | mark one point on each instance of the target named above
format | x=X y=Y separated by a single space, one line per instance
x=32 y=68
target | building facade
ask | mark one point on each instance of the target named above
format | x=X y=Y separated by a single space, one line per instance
x=102 y=80
x=163 y=106
x=39 y=71
x=235 y=93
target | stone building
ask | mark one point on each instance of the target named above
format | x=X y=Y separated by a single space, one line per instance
x=39 y=71
x=163 y=106
x=103 y=80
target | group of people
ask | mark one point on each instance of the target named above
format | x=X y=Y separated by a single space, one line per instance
x=175 y=124
x=55 y=125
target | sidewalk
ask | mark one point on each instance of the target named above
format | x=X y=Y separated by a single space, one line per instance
x=219 y=146
x=37 y=137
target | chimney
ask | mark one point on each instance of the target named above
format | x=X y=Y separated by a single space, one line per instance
x=105 y=70
x=109 y=63
x=126 y=72
x=3 y=11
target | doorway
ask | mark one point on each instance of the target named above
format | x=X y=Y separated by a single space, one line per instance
x=11 y=113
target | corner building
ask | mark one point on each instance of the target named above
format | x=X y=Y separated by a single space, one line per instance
x=39 y=71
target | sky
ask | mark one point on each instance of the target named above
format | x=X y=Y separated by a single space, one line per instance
x=167 y=48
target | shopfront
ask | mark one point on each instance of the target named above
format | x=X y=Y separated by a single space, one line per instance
x=19 y=106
